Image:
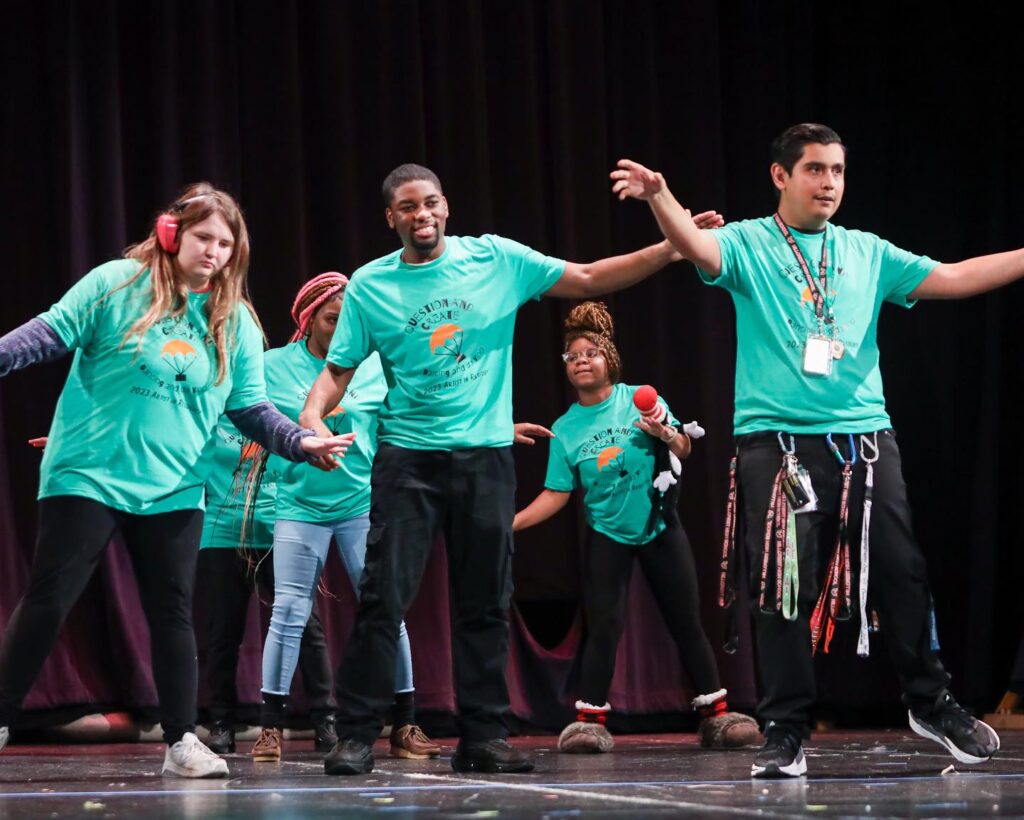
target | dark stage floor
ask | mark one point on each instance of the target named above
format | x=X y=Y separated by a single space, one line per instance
x=872 y=774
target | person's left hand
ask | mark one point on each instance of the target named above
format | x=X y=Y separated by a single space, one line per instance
x=38 y=443
x=327 y=449
x=655 y=428
x=708 y=219
x=525 y=430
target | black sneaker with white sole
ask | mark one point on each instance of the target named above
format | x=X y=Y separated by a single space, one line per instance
x=494 y=756
x=781 y=756
x=968 y=739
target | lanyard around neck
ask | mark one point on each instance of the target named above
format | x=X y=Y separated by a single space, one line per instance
x=817 y=290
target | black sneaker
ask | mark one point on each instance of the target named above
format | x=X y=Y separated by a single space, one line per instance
x=326 y=733
x=968 y=739
x=781 y=756
x=496 y=756
x=222 y=738
x=349 y=757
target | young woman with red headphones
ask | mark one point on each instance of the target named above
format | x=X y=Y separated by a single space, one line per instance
x=164 y=343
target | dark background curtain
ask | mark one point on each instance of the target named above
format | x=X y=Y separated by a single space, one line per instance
x=522 y=108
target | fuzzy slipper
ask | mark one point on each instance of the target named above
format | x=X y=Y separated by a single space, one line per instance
x=585 y=738
x=729 y=730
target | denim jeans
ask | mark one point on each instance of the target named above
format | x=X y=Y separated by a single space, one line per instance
x=300 y=550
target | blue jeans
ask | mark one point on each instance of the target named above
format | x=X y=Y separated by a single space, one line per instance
x=300 y=550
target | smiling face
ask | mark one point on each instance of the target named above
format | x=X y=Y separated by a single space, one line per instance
x=812 y=193
x=205 y=249
x=586 y=373
x=418 y=212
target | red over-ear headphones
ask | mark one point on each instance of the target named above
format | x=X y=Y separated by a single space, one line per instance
x=167 y=224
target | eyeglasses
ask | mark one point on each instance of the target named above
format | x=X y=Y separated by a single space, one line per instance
x=588 y=354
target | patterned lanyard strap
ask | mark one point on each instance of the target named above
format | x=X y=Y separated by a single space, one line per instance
x=835 y=601
x=869 y=455
x=818 y=289
x=780 y=543
x=727 y=578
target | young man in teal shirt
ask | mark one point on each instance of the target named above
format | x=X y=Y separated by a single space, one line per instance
x=441 y=312
x=807 y=297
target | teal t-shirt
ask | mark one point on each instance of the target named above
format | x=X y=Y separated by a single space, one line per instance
x=305 y=493
x=775 y=313
x=600 y=449
x=444 y=333
x=131 y=423
x=225 y=463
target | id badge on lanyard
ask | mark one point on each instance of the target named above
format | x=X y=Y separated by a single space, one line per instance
x=818 y=355
x=819 y=350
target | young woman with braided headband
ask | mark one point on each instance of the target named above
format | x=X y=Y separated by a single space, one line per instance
x=165 y=343
x=603 y=445
x=312 y=507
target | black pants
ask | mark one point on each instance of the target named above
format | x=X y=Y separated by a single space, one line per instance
x=73 y=532
x=470 y=496
x=667 y=564
x=229 y=579
x=898 y=587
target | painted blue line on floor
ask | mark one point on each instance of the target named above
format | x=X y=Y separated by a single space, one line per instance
x=441 y=787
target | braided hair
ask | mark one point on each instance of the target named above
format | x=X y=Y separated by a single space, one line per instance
x=313 y=295
x=593 y=322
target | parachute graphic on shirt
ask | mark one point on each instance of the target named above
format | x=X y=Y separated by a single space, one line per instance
x=336 y=414
x=180 y=356
x=446 y=340
x=614 y=457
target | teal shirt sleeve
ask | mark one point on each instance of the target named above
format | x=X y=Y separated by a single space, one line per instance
x=561 y=477
x=75 y=317
x=901 y=272
x=248 y=386
x=352 y=341
x=534 y=273
x=730 y=242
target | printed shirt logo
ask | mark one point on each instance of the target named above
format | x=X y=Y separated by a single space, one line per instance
x=446 y=340
x=176 y=378
x=335 y=419
x=613 y=457
x=806 y=323
x=179 y=356
x=457 y=358
x=609 y=450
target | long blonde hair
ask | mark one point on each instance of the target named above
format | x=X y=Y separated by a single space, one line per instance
x=169 y=294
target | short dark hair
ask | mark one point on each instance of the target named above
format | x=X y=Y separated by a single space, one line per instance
x=788 y=147
x=409 y=172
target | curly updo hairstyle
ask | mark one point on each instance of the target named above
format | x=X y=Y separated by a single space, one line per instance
x=593 y=322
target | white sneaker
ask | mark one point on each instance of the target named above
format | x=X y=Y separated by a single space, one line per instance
x=5 y=735
x=190 y=758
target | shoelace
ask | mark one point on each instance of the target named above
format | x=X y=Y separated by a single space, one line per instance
x=954 y=712
x=196 y=748
x=781 y=740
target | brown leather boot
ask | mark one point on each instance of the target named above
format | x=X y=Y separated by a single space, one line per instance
x=409 y=741
x=267 y=748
